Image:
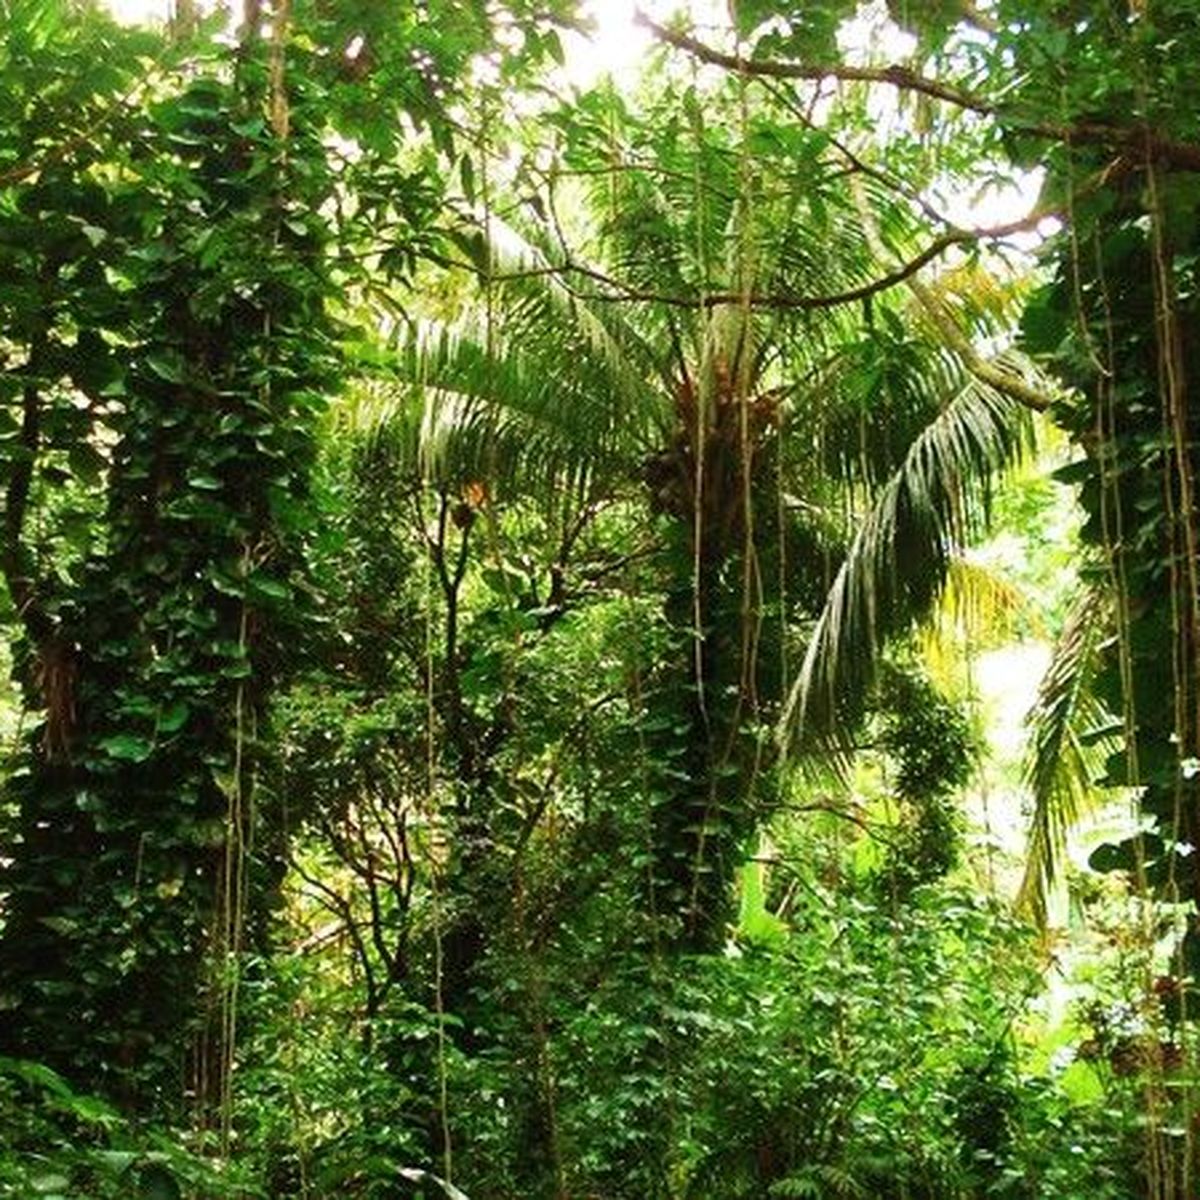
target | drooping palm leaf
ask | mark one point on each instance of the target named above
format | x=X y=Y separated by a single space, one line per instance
x=977 y=607
x=1063 y=759
x=538 y=383
x=899 y=559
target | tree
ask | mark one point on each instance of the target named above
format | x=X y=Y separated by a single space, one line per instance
x=199 y=364
x=169 y=232
x=681 y=407
x=679 y=334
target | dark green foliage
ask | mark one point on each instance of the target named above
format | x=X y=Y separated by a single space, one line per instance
x=934 y=751
x=152 y=656
x=846 y=1061
x=71 y=1145
x=1119 y=320
x=929 y=737
x=1142 y=438
x=400 y=772
x=811 y=29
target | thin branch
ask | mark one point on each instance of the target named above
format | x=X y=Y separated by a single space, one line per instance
x=371 y=876
x=873 y=830
x=534 y=816
x=990 y=373
x=995 y=376
x=333 y=901
x=318 y=939
x=973 y=15
x=856 y=163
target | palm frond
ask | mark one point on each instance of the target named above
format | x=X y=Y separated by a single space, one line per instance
x=534 y=301
x=899 y=559
x=459 y=409
x=979 y=299
x=1063 y=759
x=539 y=385
x=977 y=607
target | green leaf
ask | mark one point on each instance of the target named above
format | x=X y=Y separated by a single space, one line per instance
x=174 y=718
x=466 y=170
x=271 y=588
x=115 y=1161
x=205 y=483
x=60 y=925
x=155 y=1182
x=167 y=367
x=226 y=584
x=36 y=1073
x=251 y=127
x=50 y=1185
x=94 y=1111
x=1112 y=857
x=86 y=463
x=128 y=747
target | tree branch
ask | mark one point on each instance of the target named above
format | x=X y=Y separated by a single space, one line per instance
x=948 y=328
x=787 y=301
x=897 y=76
x=973 y=15
x=1137 y=142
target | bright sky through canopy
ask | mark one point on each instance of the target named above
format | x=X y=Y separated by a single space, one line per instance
x=617 y=46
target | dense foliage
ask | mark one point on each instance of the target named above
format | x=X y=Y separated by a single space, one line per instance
x=491 y=571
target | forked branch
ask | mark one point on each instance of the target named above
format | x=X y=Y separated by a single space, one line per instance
x=1136 y=143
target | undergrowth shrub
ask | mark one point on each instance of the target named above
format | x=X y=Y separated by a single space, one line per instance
x=58 y=1143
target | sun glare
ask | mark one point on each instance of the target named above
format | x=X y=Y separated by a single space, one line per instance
x=616 y=46
x=140 y=12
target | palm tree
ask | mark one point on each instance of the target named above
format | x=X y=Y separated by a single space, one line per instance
x=714 y=324
x=688 y=327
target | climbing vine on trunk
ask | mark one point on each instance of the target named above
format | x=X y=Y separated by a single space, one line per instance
x=137 y=825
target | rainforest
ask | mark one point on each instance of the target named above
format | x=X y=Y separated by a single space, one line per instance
x=600 y=601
